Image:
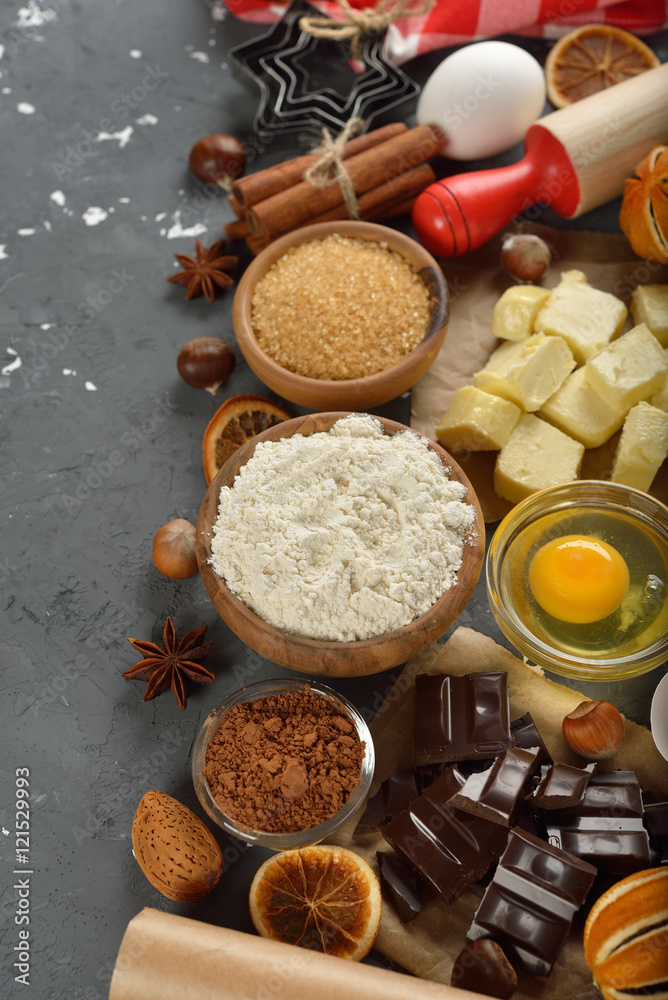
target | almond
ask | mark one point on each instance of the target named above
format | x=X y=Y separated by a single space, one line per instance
x=174 y=849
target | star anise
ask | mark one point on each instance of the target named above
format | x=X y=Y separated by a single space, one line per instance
x=205 y=271
x=166 y=667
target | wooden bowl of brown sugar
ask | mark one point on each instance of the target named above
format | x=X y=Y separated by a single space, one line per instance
x=317 y=656
x=341 y=315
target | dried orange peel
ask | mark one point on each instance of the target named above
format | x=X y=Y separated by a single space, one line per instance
x=322 y=898
x=238 y=420
x=592 y=58
x=625 y=937
x=644 y=214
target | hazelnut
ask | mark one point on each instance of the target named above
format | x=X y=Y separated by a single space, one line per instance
x=594 y=730
x=525 y=257
x=174 y=550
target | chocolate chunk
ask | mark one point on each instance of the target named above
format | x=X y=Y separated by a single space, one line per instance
x=426 y=774
x=656 y=822
x=468 y=767
x=461 y=718
x=448 y=848
x=531 y=820
x=562 y=786
x=482 y=967
x=394 y=795
x=607 y=828
x=525 y=734
x=529 y=906
x=495 y=794
x=400 y=885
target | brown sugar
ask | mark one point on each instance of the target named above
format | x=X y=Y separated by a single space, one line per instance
x=284 y=763
x=340 y=308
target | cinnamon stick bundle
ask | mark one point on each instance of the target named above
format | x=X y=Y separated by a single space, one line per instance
x=384 y=213
x=302 y=203
x=386 y=201
x=248 y=191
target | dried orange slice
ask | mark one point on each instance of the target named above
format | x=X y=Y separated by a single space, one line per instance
x=592 y=58
x=644 y=213
x=625 y=937
x=238 y=420
x=323 y=898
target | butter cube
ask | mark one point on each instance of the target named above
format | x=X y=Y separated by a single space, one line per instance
x=585 y=317
x=643 y=445
x=527 y=372
x=477 y=421
x=516 y=310
x=578 y=411
x=649 y=304
x=630 y=369
x=660 y=398
x=536 y=456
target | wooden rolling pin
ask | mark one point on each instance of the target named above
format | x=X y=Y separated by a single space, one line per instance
x=575 y=160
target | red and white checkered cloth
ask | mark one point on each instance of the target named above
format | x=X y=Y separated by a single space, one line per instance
x=452 y=22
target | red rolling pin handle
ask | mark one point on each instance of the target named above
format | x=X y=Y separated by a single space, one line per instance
x=460 y=213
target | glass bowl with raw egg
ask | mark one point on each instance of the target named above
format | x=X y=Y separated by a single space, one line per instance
x=577 y=579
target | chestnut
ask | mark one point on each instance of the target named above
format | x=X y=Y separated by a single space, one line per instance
x=174 y=550
x=525 y=257
x=482 y=967
x=594 y=730
x=217 y=159
x=206 y=363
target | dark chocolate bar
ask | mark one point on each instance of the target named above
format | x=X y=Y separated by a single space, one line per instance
x=525 y=734
x=461 y=718
x=562 y=786
x=495 y=794
x=400 y=885
x=529 y=906
x=393 y=796
x=607 y=828
x=448 y=848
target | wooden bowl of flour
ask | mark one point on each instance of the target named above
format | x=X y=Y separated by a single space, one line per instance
x=336 y=659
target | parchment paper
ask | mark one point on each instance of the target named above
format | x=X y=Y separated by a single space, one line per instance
x=428 y=946
x=475 y=282
x=166 y=957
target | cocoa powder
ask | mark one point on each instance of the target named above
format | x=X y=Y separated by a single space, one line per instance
x=284 y=763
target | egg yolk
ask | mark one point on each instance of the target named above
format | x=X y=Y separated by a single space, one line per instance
x=578 y=578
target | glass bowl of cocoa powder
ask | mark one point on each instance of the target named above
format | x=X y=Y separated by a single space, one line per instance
x=283 y=763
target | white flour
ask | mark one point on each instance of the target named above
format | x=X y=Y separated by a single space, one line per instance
x=346 y=534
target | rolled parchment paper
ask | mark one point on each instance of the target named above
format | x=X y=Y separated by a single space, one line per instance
x=165 y=957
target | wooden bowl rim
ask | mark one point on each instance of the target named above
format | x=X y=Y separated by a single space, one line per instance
x=406 y=246
x=472 y=558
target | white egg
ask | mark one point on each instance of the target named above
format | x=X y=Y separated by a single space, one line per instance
x=483 y=97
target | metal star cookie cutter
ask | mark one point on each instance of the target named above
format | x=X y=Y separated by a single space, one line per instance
x=369 y=88
x=245 y=60
x=278 y=63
